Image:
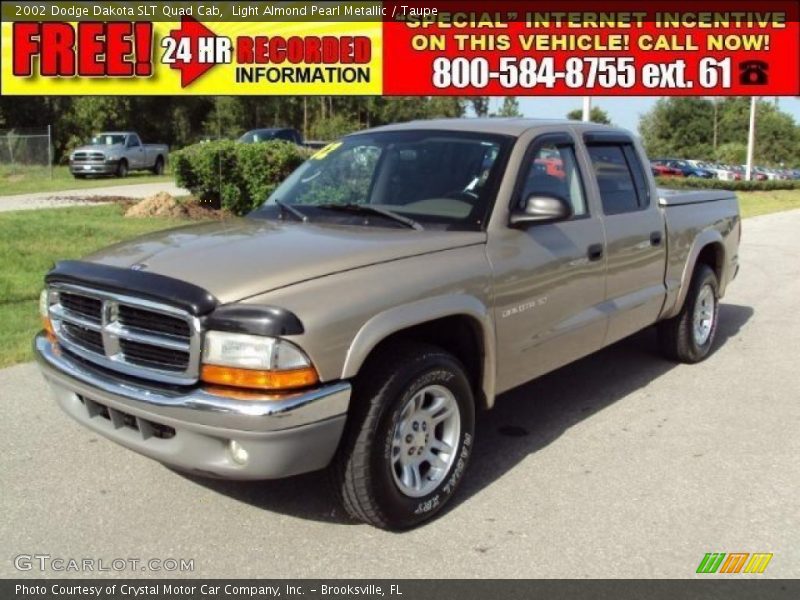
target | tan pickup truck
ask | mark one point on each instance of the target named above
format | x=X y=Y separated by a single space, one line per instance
x=382 y=296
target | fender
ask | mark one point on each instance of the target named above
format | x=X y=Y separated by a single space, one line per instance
x=706 y=238
x=395 y=319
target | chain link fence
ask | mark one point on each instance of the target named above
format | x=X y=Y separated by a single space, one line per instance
x=26 y=151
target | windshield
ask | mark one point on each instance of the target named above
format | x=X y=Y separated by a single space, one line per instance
x=437 y=178
x=108 y=139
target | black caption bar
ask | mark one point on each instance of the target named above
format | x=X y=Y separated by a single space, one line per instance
x=714 y=587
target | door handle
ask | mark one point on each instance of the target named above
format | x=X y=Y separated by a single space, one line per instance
x=595 y=251
x=655 y=238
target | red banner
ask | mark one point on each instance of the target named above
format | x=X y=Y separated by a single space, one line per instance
x=573 y=48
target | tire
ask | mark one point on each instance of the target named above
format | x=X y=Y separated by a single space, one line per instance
x=122 y=168
x=158 y=168
x=689 y=336
x=373 y=472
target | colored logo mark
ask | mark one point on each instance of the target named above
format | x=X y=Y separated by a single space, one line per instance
x=734 y=562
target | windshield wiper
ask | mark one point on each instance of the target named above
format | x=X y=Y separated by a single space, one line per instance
x=375 y=210
x=291 y=210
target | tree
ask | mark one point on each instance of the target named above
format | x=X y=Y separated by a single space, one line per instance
x=480 y=105
x=684 y=128
x=596 y=115
x=680 y=127
x=509 y=108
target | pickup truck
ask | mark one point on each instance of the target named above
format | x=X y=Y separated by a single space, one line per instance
x=379 y=300
x=117 y=153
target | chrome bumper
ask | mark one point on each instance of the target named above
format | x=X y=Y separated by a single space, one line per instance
x=93 y=168
x=283 y=436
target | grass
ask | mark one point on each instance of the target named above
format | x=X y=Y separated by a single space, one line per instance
x=24 y=180
x=33 y=240
x=761 y=203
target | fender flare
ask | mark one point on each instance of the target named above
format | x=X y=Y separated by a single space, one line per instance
x=706 y=238
x=398 y=318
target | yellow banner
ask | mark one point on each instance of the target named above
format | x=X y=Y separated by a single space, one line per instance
x=189 y=57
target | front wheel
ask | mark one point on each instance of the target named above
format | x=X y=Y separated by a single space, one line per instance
x=409 y=437
x=122 y=168
x=689 y=336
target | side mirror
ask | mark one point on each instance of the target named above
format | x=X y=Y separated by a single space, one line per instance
x=541 y=208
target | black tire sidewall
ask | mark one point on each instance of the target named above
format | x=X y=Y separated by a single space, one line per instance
x=403 y=511
x=122 y=169
x=158 y=168
x=704 y=277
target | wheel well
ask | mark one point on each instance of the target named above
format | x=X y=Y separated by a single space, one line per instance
x=460 y=335
x=712 y=256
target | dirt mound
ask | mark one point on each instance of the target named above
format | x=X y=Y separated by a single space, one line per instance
x=164 y=205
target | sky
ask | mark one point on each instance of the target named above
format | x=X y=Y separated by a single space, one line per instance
x=624 y=112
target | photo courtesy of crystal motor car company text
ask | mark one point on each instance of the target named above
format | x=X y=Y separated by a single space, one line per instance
x=367 y=278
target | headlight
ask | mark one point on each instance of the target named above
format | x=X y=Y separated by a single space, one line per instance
x=255 y=362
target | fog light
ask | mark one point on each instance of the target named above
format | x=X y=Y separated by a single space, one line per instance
x=238 y=453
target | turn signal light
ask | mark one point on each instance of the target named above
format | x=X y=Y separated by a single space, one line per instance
x=47 y=325
x=259 y=380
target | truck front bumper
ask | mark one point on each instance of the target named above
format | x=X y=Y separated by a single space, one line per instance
x=196 y=430
x=94 y=167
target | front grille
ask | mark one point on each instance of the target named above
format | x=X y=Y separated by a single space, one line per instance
x=92 y=340
x=150 y=321
x=135 y=336
x=148 y=355
x=90 y=308
x=92 y=156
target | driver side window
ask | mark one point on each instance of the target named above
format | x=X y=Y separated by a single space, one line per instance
x=552 y=170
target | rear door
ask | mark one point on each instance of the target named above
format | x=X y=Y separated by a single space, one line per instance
x=549 y=278
x=635 y=236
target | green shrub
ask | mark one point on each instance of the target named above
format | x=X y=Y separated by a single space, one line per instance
x=234 y=176
x=736 y=186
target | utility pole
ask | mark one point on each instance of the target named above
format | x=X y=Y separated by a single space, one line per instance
x=587 y=109
x=751 y=138
x=716 y=123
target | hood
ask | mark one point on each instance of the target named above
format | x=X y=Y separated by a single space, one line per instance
x=98 y=148
x=243 y=257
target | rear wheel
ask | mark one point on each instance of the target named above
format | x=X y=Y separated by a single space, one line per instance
x=158 y=168
x=409 y=437
x=689 y=336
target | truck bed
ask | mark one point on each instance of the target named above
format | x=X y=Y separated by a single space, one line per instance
x=695 y=218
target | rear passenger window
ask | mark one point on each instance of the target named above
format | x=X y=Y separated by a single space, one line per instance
x=623 y=186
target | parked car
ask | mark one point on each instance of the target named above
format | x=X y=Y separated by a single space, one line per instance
x=718 y=171
x=659 y=169
x=685 y=167
x=383 y=295
x=288 y=134
x=756 y=174
x=117 y=153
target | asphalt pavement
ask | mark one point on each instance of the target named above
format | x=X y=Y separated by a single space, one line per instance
x=83 y=196
x=620 y=465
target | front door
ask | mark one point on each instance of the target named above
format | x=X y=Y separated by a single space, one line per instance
x=549 y=279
